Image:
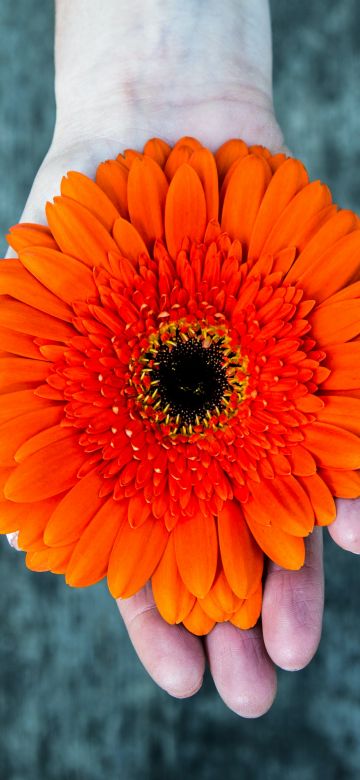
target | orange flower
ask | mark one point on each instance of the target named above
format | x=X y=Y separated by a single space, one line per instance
x=180 y=375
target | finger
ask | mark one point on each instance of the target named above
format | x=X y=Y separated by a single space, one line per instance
x=173 y=657
x=13 y=540
x=293 y=607
x=242 y=671
x=345 y=530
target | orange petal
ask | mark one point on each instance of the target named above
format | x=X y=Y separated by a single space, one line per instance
x=21 y=402
x=19 y=370
x=17 y=430
x=321 y=499
x=147 y=190
x=79 y=233
x=90 y=558
x=17 y=282
x=244 y=193
x=185 y=209
x=228 y=153
x=59 y=558
x=212 y=608
x=332 y=446
x=241 y=557
x=204 y=164
x=50 y=393
x=344 y=362
x=282 y=548
x=285 y=502
x=158 y=150
x=284 y=259
x=128 y=157
x=19 y=344
x=54 y=433
x=20 y=316
x=37 y=560
x=51 y=352
x=281 y=467
x=260 y=150
x=343 y=484
x=33 y=522
x=4 y=476
x=223 y=595
x=172 y=598
x=333 y=269
x=49 y=560
x=339 y=224
x=221 y=602
x=179 y=155
x=289 y=226
x=48 y=472
x=10 y=516
x=341 y=411
x=128 y=240
x=138 y=510
x=346 y=294
x=302 y=462
x=309 y=403
x=61 y=274
x=349 y=393
x=289 y=179
x=28 y=234
x=197 y=621
x=249 y=612
x=74 y=511
x=196 y=548
x=276 y=160
x=336 y=323
x=79 y=187
x=188 y=140
x=314 y=224
x=135 y=555
x=112 y=177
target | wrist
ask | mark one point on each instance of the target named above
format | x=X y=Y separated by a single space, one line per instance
x=211 y=121
x=166 y=70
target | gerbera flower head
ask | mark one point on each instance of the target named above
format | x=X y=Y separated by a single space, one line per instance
x=180 y=375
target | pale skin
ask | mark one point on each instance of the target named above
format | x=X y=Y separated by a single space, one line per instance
x=127 y=71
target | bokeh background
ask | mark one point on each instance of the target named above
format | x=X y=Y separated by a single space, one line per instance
x=75 y=704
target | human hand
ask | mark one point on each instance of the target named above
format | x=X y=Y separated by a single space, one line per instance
x=241 y=662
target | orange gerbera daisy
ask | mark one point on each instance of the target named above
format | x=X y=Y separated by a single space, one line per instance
x=180 y=375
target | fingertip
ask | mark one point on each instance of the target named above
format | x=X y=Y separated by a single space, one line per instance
x=242 y=671
x=292 y=627
x=294 y=656
x=293 y=609
x=251 y=705
x=181 y=677
x=172 y=656
x=345 y=530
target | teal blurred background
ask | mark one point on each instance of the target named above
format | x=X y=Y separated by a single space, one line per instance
x=75 y=704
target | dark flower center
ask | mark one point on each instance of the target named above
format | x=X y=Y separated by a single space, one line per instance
x=189 y=378
x=192 y=377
